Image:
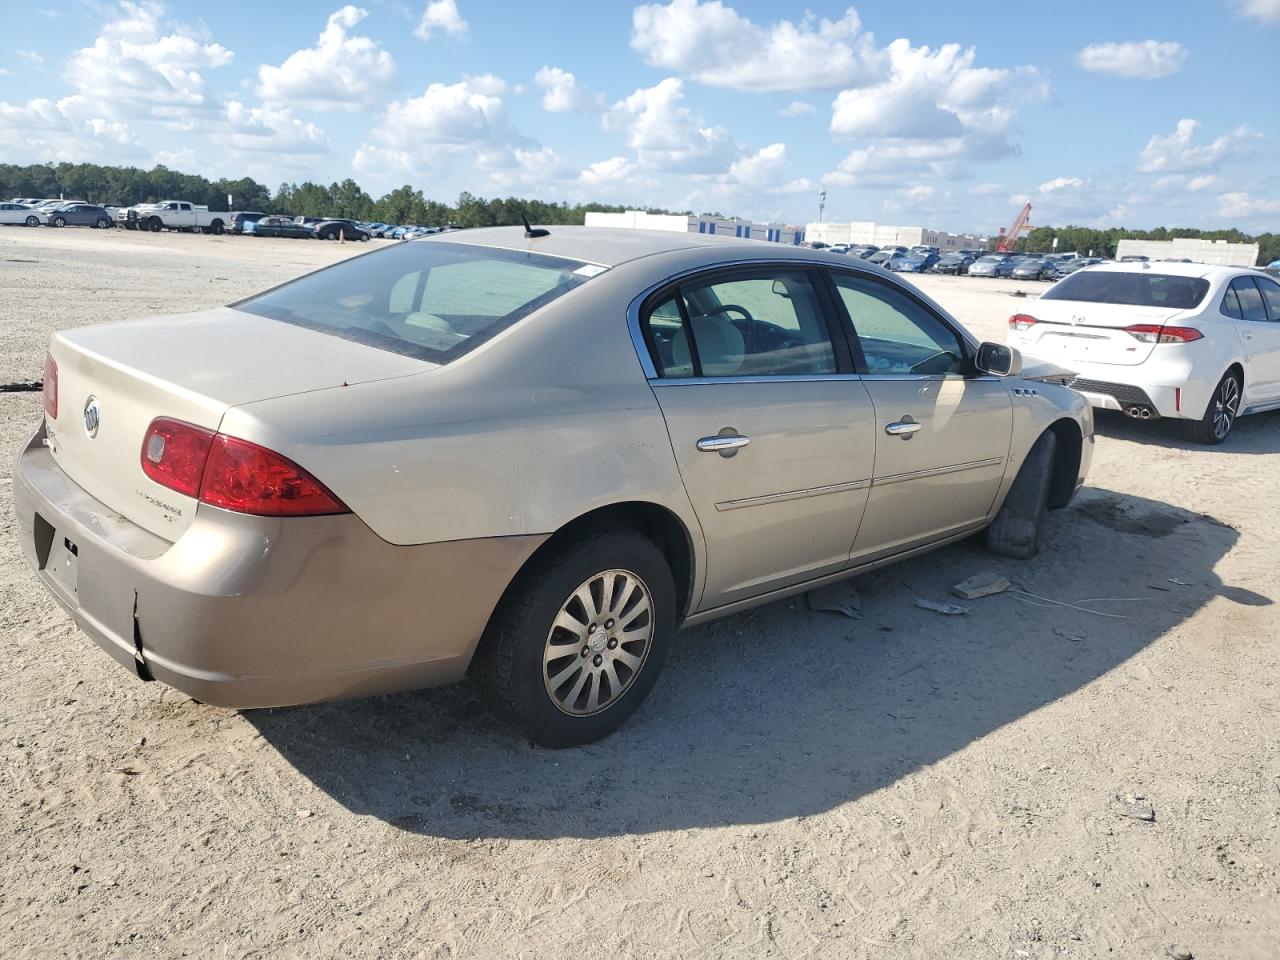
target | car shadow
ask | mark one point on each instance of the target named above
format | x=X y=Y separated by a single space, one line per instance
x=1258 y=433
x=782 y=712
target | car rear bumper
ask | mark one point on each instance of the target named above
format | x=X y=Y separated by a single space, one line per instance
x=1164 y=385
x=248 y=611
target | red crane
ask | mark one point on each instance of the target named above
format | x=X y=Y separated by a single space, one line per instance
x=1020 y=223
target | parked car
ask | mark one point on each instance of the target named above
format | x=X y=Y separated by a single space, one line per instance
x=880 y=257
x=913 y=262
x=180 y=215
x=1064 y=268
x=754 y=416
x=863 y=251
x=21 y=213
x=1273 y=268
x=1033 y=268
x=309 y=221
x=346 y=229
x=1194 y=343
x=242 y=217
x=278 y=227
x=953 y=263
x=79 y=215
x=992 y=265
x=375 y=229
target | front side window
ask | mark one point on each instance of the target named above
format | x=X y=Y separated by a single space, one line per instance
x=762 y=324
x=897 y=334
x=430 y=300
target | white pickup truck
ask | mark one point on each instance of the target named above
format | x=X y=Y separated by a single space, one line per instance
x=172 y=215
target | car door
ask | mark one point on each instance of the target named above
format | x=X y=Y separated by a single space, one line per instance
x=1259 y=335
x=770 y=426
x=942 y=435
x=9 y=213
x=77 y=215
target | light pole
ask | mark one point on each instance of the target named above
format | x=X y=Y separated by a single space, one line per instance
x=822 y=202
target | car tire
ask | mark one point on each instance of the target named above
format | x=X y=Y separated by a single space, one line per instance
x=1015 y=532
x=154 y=225
x=216 y=228
x=1219 y=415
x=33 y=221
x=59 y=221
x=517 y=664
x=102 y=223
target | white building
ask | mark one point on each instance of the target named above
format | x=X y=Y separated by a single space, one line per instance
x=1217 y=253
x=680 y=223
x=883 y=235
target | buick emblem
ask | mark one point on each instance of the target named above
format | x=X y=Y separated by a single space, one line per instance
x=92 y=416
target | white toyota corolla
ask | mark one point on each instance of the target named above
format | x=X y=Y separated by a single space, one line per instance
x=1182 y=340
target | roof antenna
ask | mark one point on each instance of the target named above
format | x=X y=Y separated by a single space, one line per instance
x=531 y=232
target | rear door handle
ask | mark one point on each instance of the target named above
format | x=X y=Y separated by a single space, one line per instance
x=903 y=428
x=726 y=444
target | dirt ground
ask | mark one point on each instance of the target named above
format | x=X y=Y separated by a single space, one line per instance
x=799 y=784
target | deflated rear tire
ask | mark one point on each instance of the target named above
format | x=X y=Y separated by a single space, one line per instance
x=1015 y=532
x=580 y=637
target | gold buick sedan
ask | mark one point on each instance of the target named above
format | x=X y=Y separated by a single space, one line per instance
x=529 y=455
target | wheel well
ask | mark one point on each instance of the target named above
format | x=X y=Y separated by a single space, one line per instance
x=1066 y=463
x=657 y=523
x=1239 y=369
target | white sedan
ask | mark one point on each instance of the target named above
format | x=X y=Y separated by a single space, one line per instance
x=20 y=213
x=1181 y=340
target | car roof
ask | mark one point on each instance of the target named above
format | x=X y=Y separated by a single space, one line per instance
x=1204 y=270
x=612 y=246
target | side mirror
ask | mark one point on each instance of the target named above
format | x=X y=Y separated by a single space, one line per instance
x=998 y=360
x=780 y=289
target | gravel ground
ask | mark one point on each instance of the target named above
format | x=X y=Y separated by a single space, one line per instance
x=798 y=785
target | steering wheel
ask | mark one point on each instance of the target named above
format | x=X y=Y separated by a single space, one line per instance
x=746 y=315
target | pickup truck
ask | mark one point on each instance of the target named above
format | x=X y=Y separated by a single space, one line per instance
x=172 y=215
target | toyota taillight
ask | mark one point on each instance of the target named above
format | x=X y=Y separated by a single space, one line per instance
x=1022 y=321
x=231 y=473
x=1155 y=333
x=49 y=390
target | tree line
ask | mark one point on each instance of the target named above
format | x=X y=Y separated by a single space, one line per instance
x=1103 y=242
x=126 y=186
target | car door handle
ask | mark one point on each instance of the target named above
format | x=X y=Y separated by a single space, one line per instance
x=725 y=443
x=903 y=428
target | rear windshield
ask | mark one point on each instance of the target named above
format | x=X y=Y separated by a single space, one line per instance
x=1133 y=289
x=430 y=300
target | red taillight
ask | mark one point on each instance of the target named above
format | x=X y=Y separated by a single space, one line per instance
x=232 y=474
x=1155 y=333
x=1022 y=321
x=50 y=389
x=174 y=454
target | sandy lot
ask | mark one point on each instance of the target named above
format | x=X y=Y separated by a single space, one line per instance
x=799 y=785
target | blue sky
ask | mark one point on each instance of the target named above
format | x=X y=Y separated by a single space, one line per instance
x=1102 y=113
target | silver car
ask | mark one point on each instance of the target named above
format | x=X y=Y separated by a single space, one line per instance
x=529 y=456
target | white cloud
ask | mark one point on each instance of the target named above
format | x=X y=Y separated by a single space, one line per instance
x=797 y=108
x=885 y=163
x=1060 y=183
x=665 y=134
x=441 y=16
x=563 y=93
x=987 y=189
x=1268 y=11
x=717 y=46
x=1177 y=153
x=607 y=171
x=799 y=185
x=134 y=69
x=269 y=128
x=1147 y=59
x=31 y=57
x=341 y=72
x=1240 y=205
x=1202 y=183
x=41 y=130
x=760 y=169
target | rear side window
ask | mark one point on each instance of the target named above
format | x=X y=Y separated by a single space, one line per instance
x=430 y=300
x=1136 y=289
x=1250 y=298
x=762 y=324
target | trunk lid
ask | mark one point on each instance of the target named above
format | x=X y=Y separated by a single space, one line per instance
x=191 y=368
x=1070 y=330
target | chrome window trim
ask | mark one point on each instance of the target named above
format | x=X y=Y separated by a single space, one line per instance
x=793 y=495
x=852 y=269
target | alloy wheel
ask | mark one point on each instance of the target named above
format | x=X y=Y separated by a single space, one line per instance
x=1226 y=403
x=598 y=642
